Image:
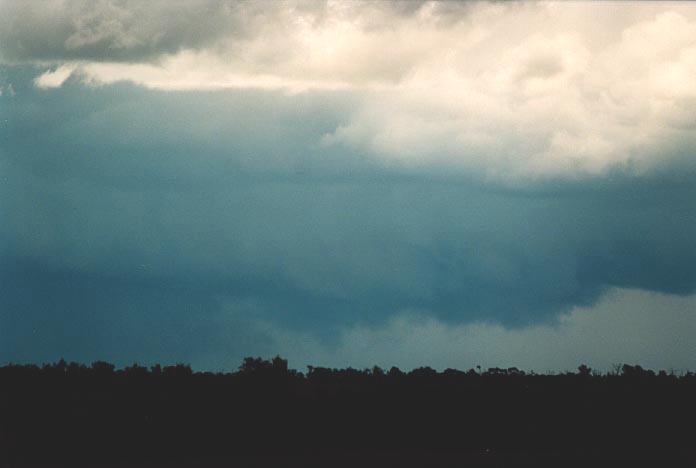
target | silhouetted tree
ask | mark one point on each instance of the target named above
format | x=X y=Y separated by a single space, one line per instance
x=102 y=368
x=165 y=415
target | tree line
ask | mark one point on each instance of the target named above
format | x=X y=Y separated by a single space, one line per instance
x=174 y=415
x=277 y=366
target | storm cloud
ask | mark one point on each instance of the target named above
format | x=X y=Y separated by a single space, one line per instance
x=261 y=202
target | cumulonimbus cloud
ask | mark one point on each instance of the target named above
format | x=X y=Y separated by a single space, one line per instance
x=300 y=180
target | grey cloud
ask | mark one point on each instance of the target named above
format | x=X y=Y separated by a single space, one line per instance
x=625 y=326
x=86 y=316
x=137 y=31
x=143 y=215
x=116 y=30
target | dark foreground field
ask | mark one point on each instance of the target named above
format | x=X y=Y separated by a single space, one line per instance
x=266 y=415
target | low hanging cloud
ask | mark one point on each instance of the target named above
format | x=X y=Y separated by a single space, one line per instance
x=626 y=326
x=232 y=194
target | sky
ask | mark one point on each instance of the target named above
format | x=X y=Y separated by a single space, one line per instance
x=448 y=184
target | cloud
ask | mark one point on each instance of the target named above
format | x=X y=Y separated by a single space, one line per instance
x=85 y=318
x=334 y=165
x=544 y=103
x=505 y=91
x=136 y=32
x=625 y=326
x=232 y=195
x=54 y=78
x=124 y=31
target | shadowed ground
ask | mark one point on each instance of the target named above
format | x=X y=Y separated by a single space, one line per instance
x=268 y=415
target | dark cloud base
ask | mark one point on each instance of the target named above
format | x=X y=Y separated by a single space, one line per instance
x=168 y=226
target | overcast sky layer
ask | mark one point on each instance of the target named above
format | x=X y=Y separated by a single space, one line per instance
x=348 y=183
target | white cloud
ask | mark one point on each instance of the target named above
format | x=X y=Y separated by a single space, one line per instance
x=546 y=103
x=55 y=78
x=625 y=326
x=508 y=91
